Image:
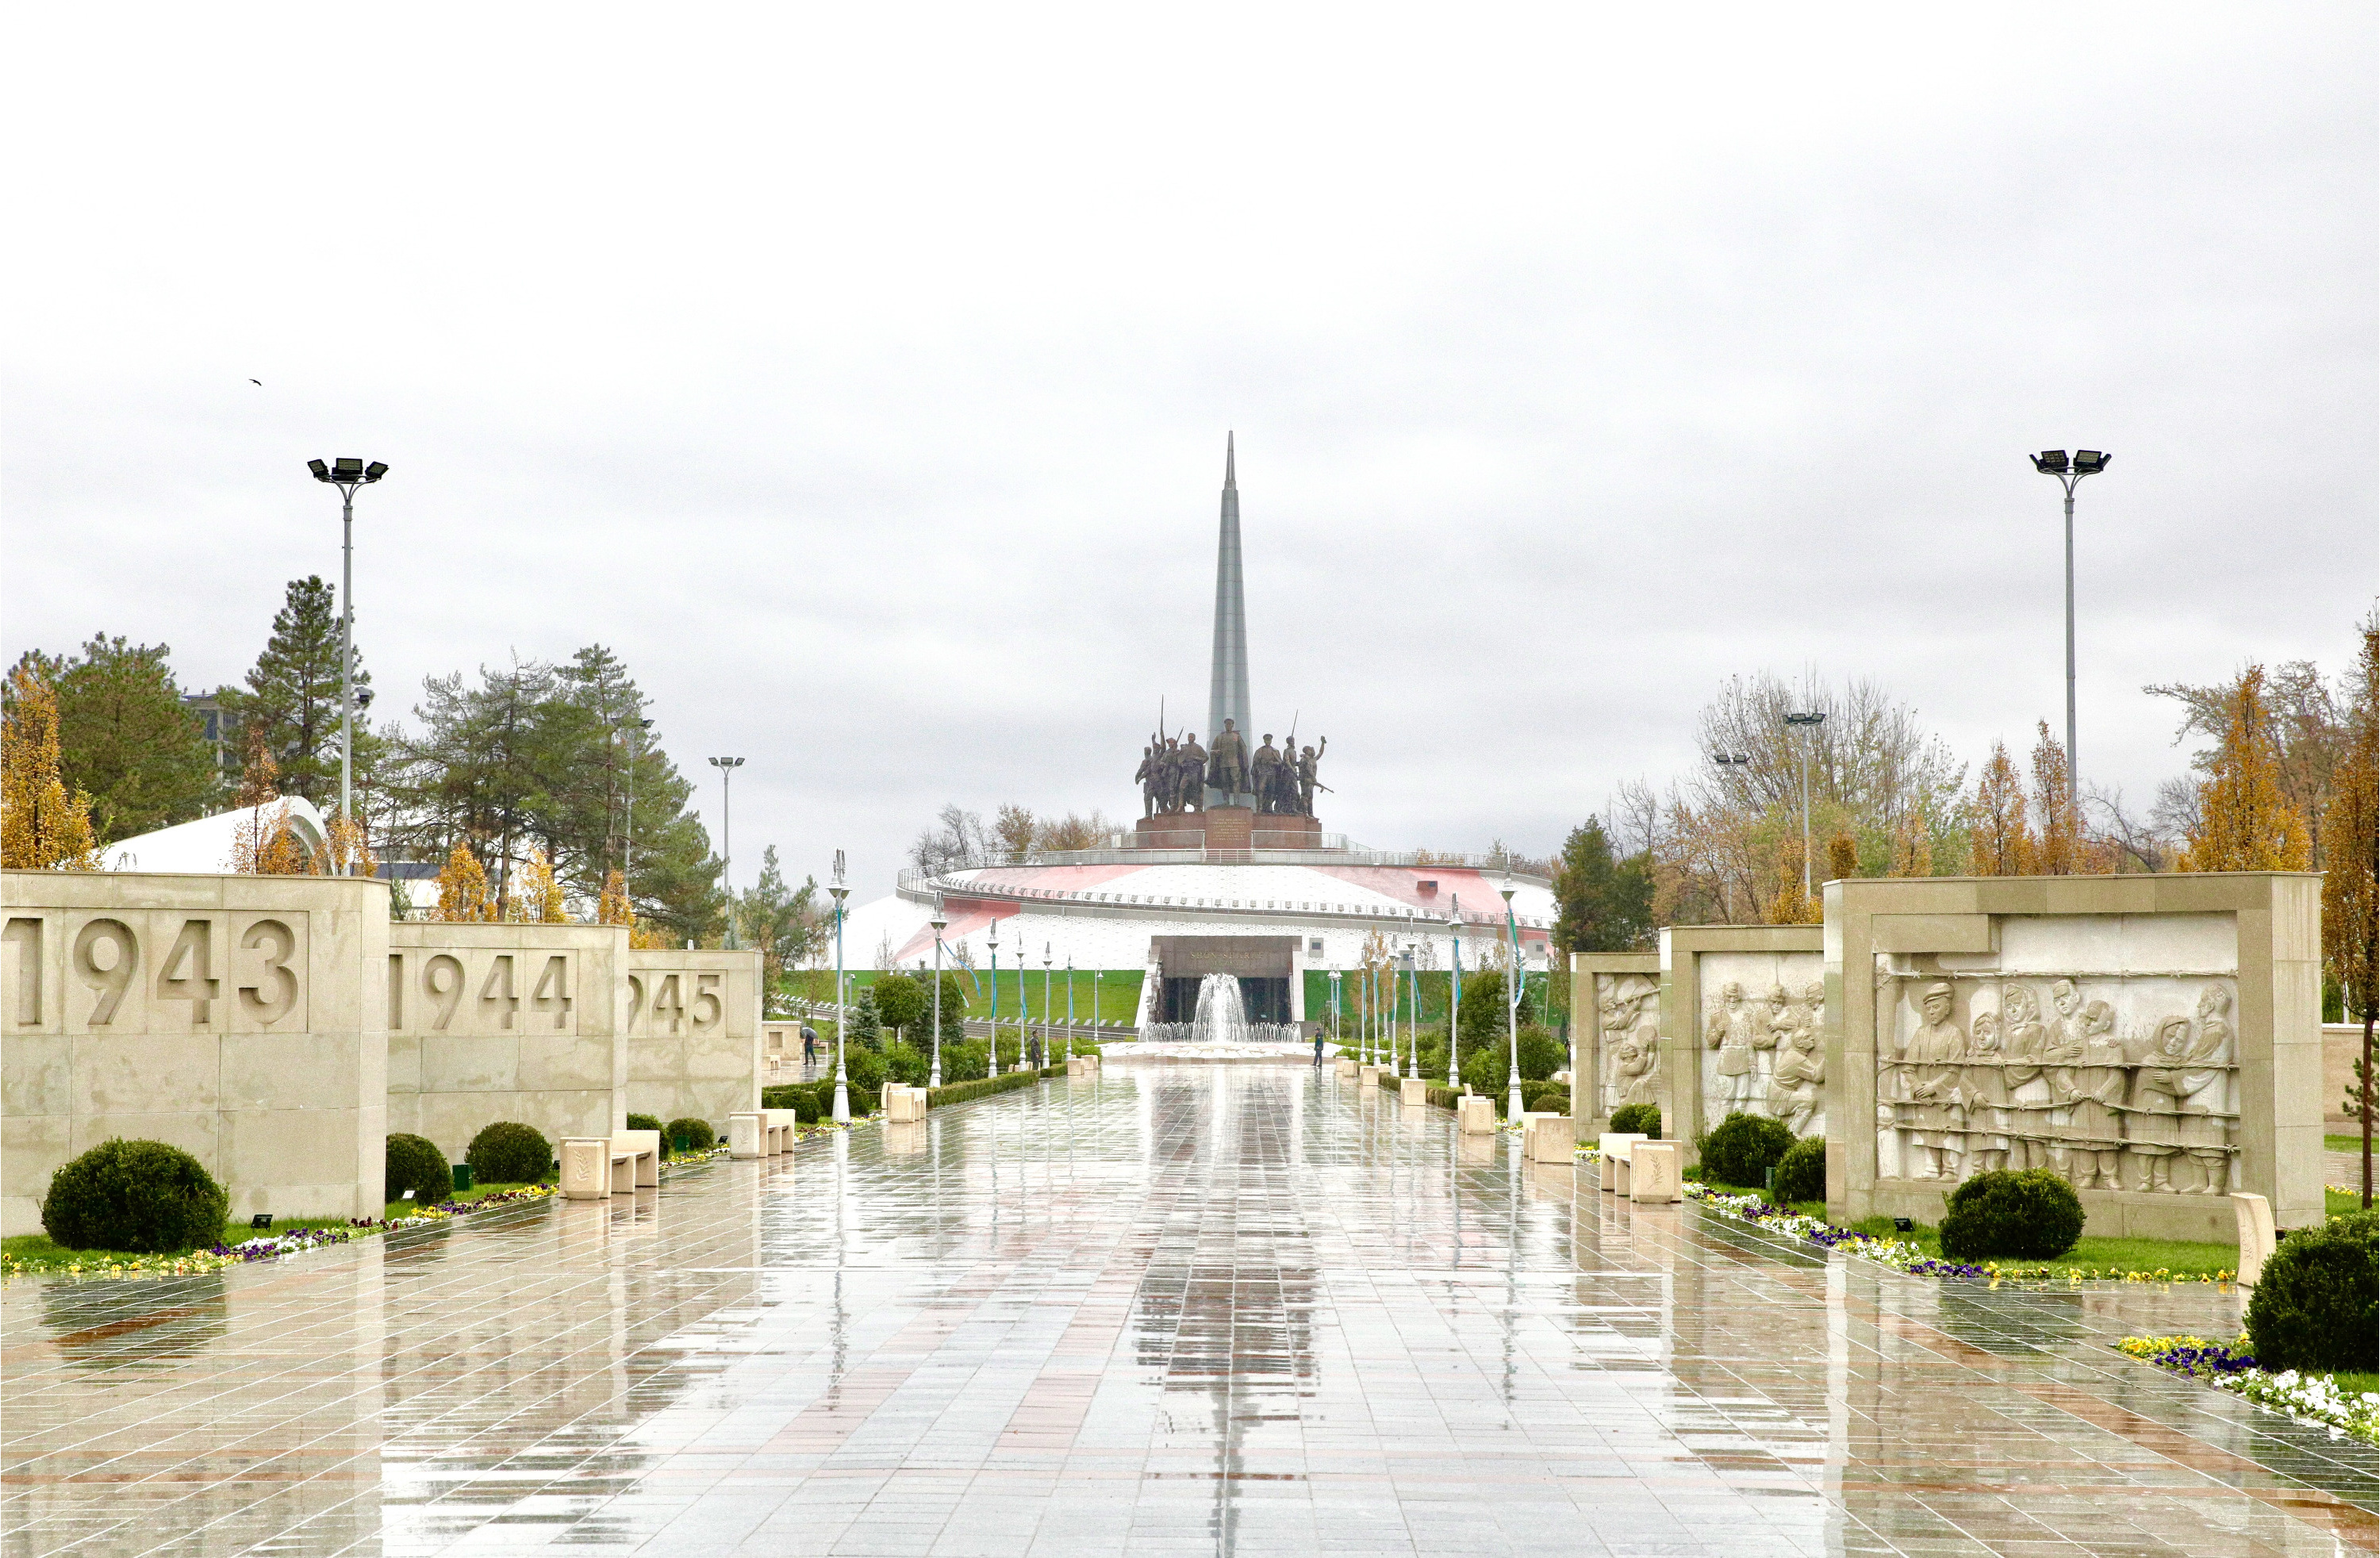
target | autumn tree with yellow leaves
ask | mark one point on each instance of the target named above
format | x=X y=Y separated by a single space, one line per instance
x=2000 y=839
x=2245 y=822
x=264 y=843
x=463 y=889
x=2350 y=883
x=42 y=826
x=1790 y=904
x=542 y=895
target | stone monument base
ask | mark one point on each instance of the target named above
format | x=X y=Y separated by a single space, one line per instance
x=1227 y=827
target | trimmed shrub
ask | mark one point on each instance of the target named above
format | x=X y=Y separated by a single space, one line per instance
x=142 y=1197
x=2030 y=1215
x=2317 y=1306
x=1540 y=1096
x=1801 y=1171
x=903 y=1063
x=982 y=1087
x=862 y=1100
x=1743 y=1148
x=697 y=1134
x=415 y=1163
x=861 y=1069
x=509 y=1153
x=805 y=1105
x=652 y=1122
x=1646 y=1117
x=1542 y=1054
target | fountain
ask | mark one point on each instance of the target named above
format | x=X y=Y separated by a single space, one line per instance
x=1219 y=1019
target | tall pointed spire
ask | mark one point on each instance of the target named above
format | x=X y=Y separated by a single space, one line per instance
x=1227 y=697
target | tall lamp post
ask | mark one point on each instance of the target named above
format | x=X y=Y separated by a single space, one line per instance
x=938 y=921
x=727 y=767
x=1513 y=1004
x=1808 y=721
x=992 y=939
x=1454 y=1003
x=348 y=475
x=2070 y=473
x=1048 y=960
x=842 y=1019
x=1334 y=1008
x=1095 y=976
x=1070 y=1006
x=1412 y=1016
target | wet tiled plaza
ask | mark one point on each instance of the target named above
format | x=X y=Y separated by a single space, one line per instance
x=1195 y=1308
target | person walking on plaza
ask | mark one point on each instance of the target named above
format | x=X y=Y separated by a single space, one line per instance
x=1318 y=1046
x=810 y=1046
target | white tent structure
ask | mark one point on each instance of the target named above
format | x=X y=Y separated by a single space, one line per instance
x=210 y=845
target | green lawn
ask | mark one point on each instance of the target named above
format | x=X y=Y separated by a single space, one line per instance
x=39 y=1252
x=2342 y=1144
x=1117 y=992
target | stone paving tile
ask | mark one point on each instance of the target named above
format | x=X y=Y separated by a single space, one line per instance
x=1203 y=1309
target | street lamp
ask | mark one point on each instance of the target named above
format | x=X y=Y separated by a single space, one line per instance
x=1809 y=721
x=1096 y=975
x=727 y=767
x=1334 y=1009
x=2086 y=462
x=841 y=1022
x=991 y=940
x=347 y=476
x=1041 y=1058
x=1454 y=1004
x=938 y=921
x=1412 y=1017
x=1513 y=1004
x=1070 y=1006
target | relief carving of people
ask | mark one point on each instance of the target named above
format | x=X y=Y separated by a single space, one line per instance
x=1623 y=1009
x=1988 y=1111
x=2205 y=1116
x=1793 y=1081
x=2025 y=1041
x=2152 y=1113
x=1937 y=1108
x=2092 y=1088
x=1730 y=1027
x=1636 y=1067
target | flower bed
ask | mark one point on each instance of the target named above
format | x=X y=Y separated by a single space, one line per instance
x=2313 y=1400
x=267 y=1247
x=1901 y=1255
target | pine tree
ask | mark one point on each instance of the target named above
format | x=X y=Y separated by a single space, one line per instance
x=126 y=738
x=1602 y=903
x=292 y=696
x=2245 y=822
x=2350 y=883
x=2000 y=842
x=42 y=826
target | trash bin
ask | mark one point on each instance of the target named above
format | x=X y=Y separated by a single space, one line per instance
x=462 y=1176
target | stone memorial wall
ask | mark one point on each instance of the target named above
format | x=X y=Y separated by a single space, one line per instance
x=2154 y=1041
x=1742 y=1013
x=693 y=1022
x=523 y=1022
x=237 y=1017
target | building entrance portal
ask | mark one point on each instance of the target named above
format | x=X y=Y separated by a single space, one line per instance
x=1264 y=966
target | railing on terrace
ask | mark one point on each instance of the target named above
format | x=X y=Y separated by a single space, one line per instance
x=922 y=886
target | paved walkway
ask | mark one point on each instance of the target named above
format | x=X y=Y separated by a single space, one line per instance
x=1181 y=1309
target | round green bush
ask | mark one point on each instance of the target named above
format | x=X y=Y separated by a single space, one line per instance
x=1801 y=1171
x=1646 y=1117
x=415 y=1163
x=861 y=1069
x=904 y=1064
x=862 y=1100
x=805 y=1105
x=2030 y=1215
x=2317 y=1306
x=696 y=1134
x=142 y=1197
x=508 y=1152
x=1542 y=1054
x=1743 y=1148
x=652 y=1122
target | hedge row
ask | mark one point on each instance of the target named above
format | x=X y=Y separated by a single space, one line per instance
x=982 y=1087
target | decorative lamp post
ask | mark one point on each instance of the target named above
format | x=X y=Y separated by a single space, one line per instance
x=1513 y=1004
x=992 y=939
x=346 y=475
x=1048 y=961
x=2086 y=462
x=727 y=767
x=1455 y=1005
x=1070 y=1006
x=1809 y=721
x=842 y=1019
x=1096 y=974
x=940 y=920
x=1334 y=1008
x=1412 y=1014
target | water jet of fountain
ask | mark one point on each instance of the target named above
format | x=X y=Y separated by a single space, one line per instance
x=1221 y=1019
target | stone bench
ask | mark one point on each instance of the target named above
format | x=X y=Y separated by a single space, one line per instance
x=1614 y=1146
x=1474 y=1115
x=618 y=1164
x=1368 y=1073
x=1414 y=1090
x=904 y=1104
x=2257 y=1237
x=760 y=1133
x=1654 y=1176
x=1083 y=1065
x=1547 y=1137
x=1344 y=1068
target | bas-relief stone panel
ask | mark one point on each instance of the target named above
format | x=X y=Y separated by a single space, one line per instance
x=1628 y=1023
x=221 y=1014
x=1763 y=1014
x=2100 y=1047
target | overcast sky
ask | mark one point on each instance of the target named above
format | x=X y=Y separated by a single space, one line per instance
x=861 y=375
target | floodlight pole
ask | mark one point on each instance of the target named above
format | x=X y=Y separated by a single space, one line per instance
x=1809 y=721
x=2070 y=475
x=347 y=476
x=727 y=767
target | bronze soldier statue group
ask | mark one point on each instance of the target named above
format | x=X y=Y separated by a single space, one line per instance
x=1175 y=774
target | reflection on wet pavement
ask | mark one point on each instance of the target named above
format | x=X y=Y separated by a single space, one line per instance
x=1196 y=1308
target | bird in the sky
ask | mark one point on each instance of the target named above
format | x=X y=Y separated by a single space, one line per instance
x=258 y=382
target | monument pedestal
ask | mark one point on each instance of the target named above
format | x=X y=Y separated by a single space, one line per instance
x=1227 y=827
